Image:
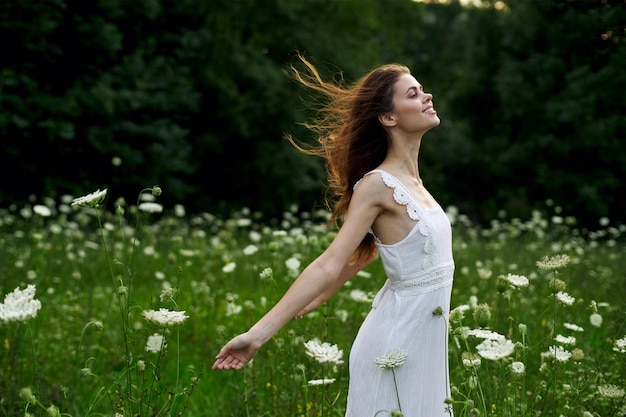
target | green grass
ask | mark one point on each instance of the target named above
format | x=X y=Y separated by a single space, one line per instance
x=84 y=353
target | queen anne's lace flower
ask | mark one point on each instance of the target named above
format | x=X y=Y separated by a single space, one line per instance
x=90 y=200
x=558 y=353
x=165 y=317
x=518 y=368
x=565 y=340
x=553 y=262
x=155 y=342
x=495 y=349
x=620 y=345
x=485 y=334
x=392 y=359
x=611 y=391
x=325 y=381
x=20 y=305
x=150 y=207
x=324 y=352
x=517 y=280
x=565 y=298
x=573 y=327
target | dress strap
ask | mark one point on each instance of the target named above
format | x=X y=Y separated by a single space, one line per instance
x=400 y=193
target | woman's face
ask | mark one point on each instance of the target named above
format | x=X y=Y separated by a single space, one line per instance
x=413 y=110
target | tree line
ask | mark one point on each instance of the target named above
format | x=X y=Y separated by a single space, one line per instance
x=193 y=95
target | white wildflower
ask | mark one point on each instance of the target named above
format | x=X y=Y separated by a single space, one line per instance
x=565 y=298
x=620 y=345
x=165 y=317
x=360 y=296
x=150 y=207
x=90 y=200
x=495 y=349
x=43 y=211
x=517 y=281
x=392 y=359
x=610 y=391
x=292 y=264
x=485 y=334
x=250 y=250
x=229 y=267
x=518 y=368
x=266 y=274
x=553 y=262
x=324 y=352
x=558 y=353
x=20 y=305
x=155 y=342
x=595 y=319
x=471 y=360
x=573 y=327
x=565 y=340
x=325 y=381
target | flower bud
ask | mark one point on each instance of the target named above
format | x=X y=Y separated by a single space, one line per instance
x=156 y=190
x=557 y=285
x=482 y=315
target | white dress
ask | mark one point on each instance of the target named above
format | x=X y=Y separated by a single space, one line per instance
x=419 y=270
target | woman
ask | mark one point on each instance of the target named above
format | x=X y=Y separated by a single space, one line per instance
x=370 y=135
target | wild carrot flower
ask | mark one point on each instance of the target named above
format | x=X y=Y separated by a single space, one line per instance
x=494 y=350
x=620 y=345
x=155 y=342
x=518 y=281
x=43 y=211
x=20 y=305
x=266 y=274
x=565 y=340
x=324 y=352
x=573 y=327
x=229 y=267
x=595 y=319
x=558 y=353
x=250 y=250
x=150 y=207
x=392 y=359
x=292 y=264
x=90 y=200
x=485 y=334
x=565 y=298
x=165 y=317
x=518 y=368
x=553 y=262
x=482 y=314
x=471 y=360
x=610 y=391
x=324 y=381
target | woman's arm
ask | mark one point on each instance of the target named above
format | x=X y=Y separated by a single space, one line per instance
x=320 y=278
x=349 y=271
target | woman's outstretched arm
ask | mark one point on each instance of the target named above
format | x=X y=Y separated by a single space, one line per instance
x=319 y=279
x=348 y=271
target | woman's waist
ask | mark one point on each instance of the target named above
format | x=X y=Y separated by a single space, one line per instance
x=423 y=281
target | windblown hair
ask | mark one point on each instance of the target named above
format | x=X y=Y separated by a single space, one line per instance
x=350 y=137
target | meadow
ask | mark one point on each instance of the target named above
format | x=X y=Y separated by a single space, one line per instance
x=118 y=309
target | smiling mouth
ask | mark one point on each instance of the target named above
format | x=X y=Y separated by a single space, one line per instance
x=429 y=109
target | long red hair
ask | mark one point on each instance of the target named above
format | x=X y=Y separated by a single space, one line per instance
x=349 y=135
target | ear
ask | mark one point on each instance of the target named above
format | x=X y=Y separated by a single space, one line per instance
x=387 y=120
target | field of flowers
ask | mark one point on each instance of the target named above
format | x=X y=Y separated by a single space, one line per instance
x=116 y=309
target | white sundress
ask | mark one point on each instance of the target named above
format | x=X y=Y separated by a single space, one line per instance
x=420 y=270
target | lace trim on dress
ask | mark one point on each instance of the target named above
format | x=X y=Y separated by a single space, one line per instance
x=425 y=281
x=403 y=197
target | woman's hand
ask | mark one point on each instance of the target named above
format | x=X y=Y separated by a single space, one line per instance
x=236 y=353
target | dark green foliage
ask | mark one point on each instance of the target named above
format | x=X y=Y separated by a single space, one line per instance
x=193 y=95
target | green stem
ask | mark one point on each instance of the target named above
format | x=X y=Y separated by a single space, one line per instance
x=395 y=383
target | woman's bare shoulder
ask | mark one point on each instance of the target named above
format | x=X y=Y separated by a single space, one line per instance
x=371 y=188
